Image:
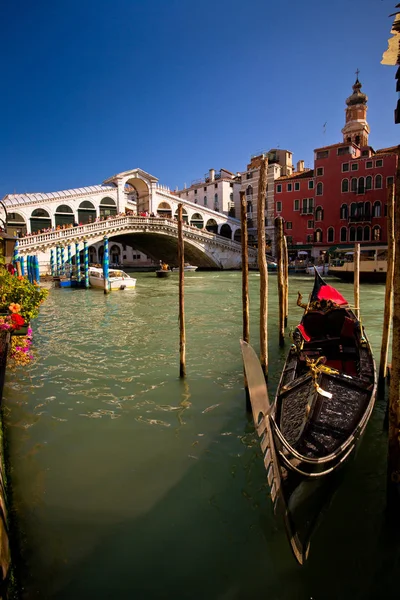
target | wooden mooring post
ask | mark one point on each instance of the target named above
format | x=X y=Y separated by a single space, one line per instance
x=263 y=267
x=393 y=473
x=281 y=291
x=181 y=262
x=357 y=279
x=245 y=284
x=387 y=318
x=286 y=279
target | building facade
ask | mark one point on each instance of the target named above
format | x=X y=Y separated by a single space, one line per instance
x=343 y=199
x=217 y=190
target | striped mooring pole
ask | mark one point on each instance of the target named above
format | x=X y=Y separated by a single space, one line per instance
x=58 y=260
x=52 y=261
x=78 y=262
x=29 y=267
x=36 y=270
x=22 y=261
x=15 y=255
x=86 y=263
x=62 y=260
x=106 y=267
x=69 y=260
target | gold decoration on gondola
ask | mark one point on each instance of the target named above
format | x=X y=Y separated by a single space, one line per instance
x=316 y=367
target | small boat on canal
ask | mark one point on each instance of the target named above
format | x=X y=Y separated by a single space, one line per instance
x=322 y=405
x=187 y=267
x=164 y=271
x=118 y=280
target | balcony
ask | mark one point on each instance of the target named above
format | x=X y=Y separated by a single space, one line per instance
x=360 y=218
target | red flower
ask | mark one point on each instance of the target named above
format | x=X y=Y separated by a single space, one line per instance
x=17 y=321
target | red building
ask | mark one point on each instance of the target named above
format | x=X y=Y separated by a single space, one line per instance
x=344 y=198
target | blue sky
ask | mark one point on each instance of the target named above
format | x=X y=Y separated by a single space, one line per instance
x=91 y=88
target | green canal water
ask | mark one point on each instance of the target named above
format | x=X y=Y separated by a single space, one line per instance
x=129 y=483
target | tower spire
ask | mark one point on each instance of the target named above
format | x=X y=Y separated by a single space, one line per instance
x=356 y=129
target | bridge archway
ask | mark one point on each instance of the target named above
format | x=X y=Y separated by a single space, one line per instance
x=86 y=212
x=185 y=217
x=237 y=236
x=40 y=219
x=107 y=207
x=164 y=210
x=115 y=254
x=212 y=226
x=197 y=221
x=139 y=191
x=16 y=224
x=92 y=254
x=226 y=231
x=64 y=215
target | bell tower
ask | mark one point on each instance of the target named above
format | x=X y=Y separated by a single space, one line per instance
x=356 y=129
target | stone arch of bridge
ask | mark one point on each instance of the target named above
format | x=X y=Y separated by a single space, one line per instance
x=140 y=192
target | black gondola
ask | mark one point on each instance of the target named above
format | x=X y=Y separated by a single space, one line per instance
x=323 y=402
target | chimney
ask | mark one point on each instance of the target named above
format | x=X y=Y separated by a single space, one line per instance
x=212 y=174
x=300 y=166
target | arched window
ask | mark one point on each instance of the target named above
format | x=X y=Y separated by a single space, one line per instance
x=226 y=231
x=86 y=212
x=319 y=213
x=367 y=210
x=331 y=234
x=320 y=188
x=378 y=182
x=361 y=185
x=249 y=208
x=205 y=200
x=40 y=219
x=376 y=211
x=212 y=226
x=185 y=217
x=164 y=210
x=345 y=185
x=197 y=221
x=216 y=206
x=368 y=183
x=359 y=234
x=353 y=210
x=344 y=211
x=107 y=207
x=249 y=190
x=64 y=215
x=376 y=233
x=352 y=234
x=367 y=234
x=353 y=185
x=343 y=234
x=318 y=235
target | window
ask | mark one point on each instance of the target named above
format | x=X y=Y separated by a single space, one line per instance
x=359 y=234
x=353 y=211
x=367 y=234
x=376 y=233
x=216 y=185
x=289 y=225
x=368 y=183
x=231 y=184
x=345 y=167
x=365 y=153
x=289 y=240
x=205 y=189
x=296 y=205
x=289 y=187
x=249 y=175
x=278 y=206
x=367 y=210
x=361 y=185
x=307 y=206
x=249 y=191
x=318 y=236
x=379 y=163
x=343 y=234
x=231 y=197
x=376 y=211
x=309 y=239
x=322 y=154
x=368 y=164
x=320 y=171
x=389 y=181
x=216 y=207
x=320 y=188
x=345 y=185
x=330 y=234
x=344 y=211
x=249 y=207
x=378 y=182
x=296 y=186
x=354 y=166
x=343 y=150
x=205 y=200
x=353 y=185
x=352 y=236
x=278 y=188
x=311 y=184
x=319 y=213
x=310 y=224
x=195 y=191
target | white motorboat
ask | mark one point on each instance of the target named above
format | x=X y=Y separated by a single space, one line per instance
x=321 y=269
x=187 y=267
x=118 y=280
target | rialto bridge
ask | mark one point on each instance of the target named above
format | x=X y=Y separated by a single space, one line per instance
x=135 y=212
